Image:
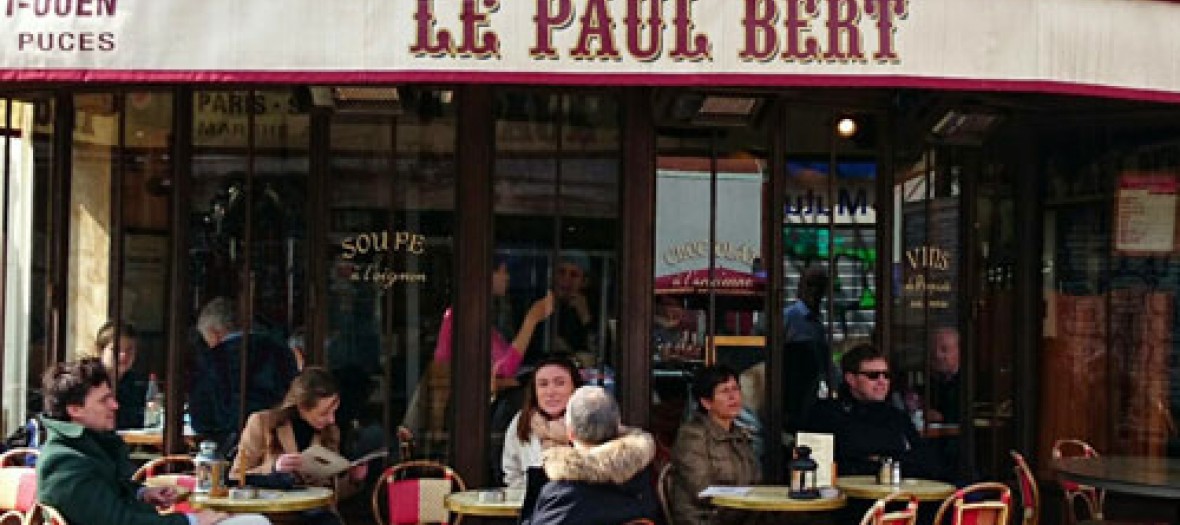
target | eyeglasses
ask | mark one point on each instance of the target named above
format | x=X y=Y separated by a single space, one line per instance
x=875 y=374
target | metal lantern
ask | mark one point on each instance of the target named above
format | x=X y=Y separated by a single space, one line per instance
x=802 y=470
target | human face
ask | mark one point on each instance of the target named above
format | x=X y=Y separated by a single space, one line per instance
x=946 y=352
x=97 y=411
x=500 y=280
x=871 y=382
x=554 y=388
x=726 y=403
x=322 y=414
x=126 y=354
x=569 y=280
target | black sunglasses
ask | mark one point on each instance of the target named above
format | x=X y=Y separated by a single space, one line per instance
x=875 y=374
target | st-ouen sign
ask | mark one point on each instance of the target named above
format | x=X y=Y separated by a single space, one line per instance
x=1115 y=47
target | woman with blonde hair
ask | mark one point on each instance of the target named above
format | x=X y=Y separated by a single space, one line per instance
x=273 y=439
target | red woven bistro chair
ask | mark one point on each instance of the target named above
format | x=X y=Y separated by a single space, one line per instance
x=880 y=514
x=414 y=492
x=985 y=503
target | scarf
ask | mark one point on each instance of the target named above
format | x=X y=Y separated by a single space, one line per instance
x=551 y=432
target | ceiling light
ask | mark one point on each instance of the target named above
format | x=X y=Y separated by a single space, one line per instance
x=846 y=127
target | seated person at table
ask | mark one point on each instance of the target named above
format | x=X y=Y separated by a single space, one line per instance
x=605 y=477
x=130 y=385
x=711 y=449
x=85 y=471
x=273 y=439
x=215 y=389
x=540 y=424
x=944 y=379
x=866 y=427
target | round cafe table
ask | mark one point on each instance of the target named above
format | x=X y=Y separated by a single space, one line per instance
x=269 y=501
x=866 y=487
x=1157 y=477
x=467 y=503
x=773 y=498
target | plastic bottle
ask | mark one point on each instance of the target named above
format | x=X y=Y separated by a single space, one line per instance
x=151 y=409
x=34 y=429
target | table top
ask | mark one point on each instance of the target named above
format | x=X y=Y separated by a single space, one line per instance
x=468 y=504
x=269 y=501
x=866 y=487
x=149 y=436
x=1156 y=477
x=773 y=498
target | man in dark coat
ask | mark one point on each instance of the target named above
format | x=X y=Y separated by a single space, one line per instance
x=605 y=478
x=866 y=427
x=215 y=388
x=84 y=470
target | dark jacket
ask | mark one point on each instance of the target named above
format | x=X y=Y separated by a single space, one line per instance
x=865 y=432
x=87 y=476
x=707 y=454
x=215 y=391
x=607 y=485
x=131 y=395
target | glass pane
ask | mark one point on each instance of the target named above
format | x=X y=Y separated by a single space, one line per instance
x=391 y=200
x=146 y=185
x=556 y=197
x=27 y=141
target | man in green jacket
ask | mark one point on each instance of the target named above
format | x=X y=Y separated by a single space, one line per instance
x=84 y=469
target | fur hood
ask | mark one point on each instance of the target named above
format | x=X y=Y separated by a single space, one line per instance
x=615 y=461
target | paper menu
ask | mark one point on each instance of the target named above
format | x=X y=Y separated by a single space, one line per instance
x=715 y=490
x=823 y=451
x=320 y=462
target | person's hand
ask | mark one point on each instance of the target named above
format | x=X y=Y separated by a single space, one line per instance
x=288 y=463
x=358 y=472
x=209 y=517
x=577 y=301
x=159 y=496
x=541 y=309
x=405 y=434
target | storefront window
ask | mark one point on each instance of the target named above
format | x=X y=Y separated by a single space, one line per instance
x=556 y=203
x=390 y=254
x=1110 y=283
x=248 y=253
x=28 y=132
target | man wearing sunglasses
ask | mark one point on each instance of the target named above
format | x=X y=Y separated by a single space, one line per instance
x=866 y=427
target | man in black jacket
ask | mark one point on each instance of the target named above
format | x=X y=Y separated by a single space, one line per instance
x=866 y=427
x=605 y=478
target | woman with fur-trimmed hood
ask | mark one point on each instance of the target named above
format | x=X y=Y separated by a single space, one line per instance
x=605 y=478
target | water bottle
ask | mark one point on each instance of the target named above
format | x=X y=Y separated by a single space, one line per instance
x=203 y=463
x=151 y=410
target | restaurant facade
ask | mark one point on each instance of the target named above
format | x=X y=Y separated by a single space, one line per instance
x=998 y=179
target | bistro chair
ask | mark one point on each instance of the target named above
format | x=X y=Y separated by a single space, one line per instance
x=18 y=490
x=1030 y=495
x=983 y=503
x=414 y=492
x=1093 y=498
x=42 y=514
x=879 y=513
x=18 y=457
x=664 y=491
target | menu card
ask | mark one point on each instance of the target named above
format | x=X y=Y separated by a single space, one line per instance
x=823 y=449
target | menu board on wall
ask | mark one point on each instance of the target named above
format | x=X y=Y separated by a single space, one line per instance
x=1145 y=214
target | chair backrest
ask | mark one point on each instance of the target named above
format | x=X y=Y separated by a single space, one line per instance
x=414 y=492
x=18 y=488
x=1072 y=448
x=17 y=457
x=42 y=514
x=985 y=503
x=1093 y=499
x=879 y=513
x=175 y=464
x=1030 y=495
x=664 y=491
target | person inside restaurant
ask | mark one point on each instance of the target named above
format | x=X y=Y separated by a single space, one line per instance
x=573 y=319
x=84 y=470
x=712 y=449
x=119 y=359
x=866 y=427
x=944 y=378
x=540 y=424
x=215 y=386
x=605 y=478
x=809 y=369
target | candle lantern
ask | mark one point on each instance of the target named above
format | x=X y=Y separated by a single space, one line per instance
x=802 y=470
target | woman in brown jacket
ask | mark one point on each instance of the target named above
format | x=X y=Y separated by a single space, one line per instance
x=273 y=439
x=711 y=450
